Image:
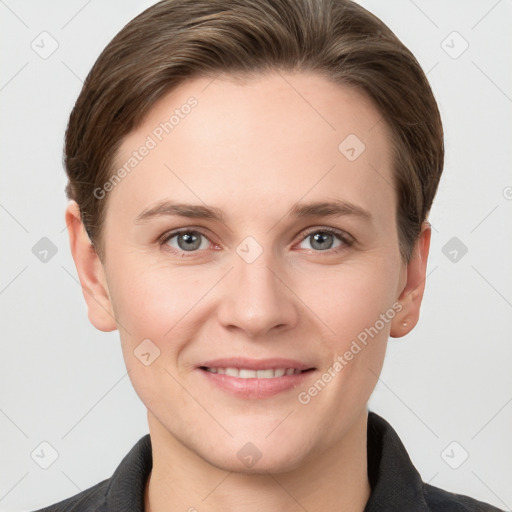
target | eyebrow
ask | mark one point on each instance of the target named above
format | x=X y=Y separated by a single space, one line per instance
x=299 y=210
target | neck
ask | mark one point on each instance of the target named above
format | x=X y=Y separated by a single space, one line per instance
x=336 y=479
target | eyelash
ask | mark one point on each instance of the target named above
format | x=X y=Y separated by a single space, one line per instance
x=347 y=240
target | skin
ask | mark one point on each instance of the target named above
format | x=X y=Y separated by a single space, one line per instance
x=253 y=148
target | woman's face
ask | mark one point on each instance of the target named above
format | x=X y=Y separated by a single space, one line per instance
x=270 y=280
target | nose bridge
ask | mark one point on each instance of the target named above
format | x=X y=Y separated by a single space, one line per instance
x=256 y=298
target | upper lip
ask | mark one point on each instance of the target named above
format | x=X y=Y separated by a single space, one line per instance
x=256 y=364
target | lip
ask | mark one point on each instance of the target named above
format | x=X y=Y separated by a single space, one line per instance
x=255 y=388
x=256 y=364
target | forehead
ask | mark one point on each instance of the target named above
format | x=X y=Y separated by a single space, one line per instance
x=263 y=141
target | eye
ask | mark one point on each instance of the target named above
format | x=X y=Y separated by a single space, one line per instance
x=186 y=240
x=319 y=239
x=323 y=239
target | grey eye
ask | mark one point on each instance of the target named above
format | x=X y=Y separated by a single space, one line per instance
x=188 y=241
x=321 y=241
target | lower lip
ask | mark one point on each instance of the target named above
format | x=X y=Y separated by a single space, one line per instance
x=255 y=388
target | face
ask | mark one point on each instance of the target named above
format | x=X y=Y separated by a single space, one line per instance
x=256 y=274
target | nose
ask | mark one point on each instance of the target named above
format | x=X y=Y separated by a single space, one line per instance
x=257 y=299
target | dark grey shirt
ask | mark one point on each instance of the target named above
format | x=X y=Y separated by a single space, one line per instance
x=396 y=485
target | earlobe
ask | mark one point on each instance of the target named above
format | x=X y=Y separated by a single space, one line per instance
x=412 y=294
x=90 y=272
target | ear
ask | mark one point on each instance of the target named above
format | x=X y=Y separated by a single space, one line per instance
x=412 y=294
x=90 y=272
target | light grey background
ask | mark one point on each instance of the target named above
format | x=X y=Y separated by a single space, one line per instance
x=65 y=383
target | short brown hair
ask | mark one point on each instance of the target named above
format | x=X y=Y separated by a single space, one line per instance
x=178 y=39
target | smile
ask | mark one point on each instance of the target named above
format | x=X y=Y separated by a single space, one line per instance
x=245 y=373
x=263 y=380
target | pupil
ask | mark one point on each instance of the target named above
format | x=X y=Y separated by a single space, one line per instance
x=320 y=239
x=189 y=241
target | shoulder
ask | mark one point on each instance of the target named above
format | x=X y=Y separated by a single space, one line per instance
x=124 y=490
x=439 y=500
x=397 y=485
x=94 y=498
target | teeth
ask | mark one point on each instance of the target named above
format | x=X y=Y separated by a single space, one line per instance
x=244 y=373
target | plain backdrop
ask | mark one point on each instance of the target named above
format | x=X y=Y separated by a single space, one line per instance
x=446 y=388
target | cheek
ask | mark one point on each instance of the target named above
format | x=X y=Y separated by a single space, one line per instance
x=144 y=308
x=151 y=310
x=160 y=304
x=352 y=297
x=357 y=310
x=154 y=298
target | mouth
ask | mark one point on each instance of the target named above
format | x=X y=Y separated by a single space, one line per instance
x=247 y=373
x=252 y=378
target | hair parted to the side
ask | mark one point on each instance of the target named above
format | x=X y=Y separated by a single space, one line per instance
x=179 y=39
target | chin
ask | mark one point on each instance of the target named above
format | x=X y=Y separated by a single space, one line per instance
x=262 y=467
x=253 y=458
